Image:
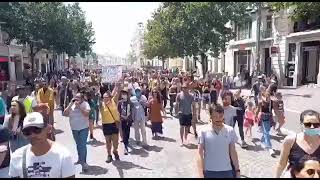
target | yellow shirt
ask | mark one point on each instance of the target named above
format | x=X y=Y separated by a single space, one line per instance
x=46 y=97
x=105 y=110
x=152 y=84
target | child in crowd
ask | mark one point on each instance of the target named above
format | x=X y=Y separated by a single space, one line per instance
x=249 y=119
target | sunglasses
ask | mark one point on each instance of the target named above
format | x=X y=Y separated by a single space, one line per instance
x=30 y=130
x=312 y=172
x=308 y=125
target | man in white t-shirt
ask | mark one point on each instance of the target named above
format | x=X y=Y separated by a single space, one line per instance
x=42 y=158
x=218 y=157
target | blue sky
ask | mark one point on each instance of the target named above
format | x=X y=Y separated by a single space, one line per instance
x=115 y=23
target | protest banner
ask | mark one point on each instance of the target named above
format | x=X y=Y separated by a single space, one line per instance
x=111 y=74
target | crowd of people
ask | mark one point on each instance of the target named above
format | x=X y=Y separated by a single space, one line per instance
x=27 y=115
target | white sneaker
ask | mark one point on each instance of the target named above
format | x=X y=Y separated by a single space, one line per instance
x=85 y=167
x=263 y=146
x=271 y=152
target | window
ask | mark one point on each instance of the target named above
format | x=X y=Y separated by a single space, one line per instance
x=243 y=31
x=269 y=22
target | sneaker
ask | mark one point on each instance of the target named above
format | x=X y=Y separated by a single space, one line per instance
x=126 y=151
x=109 y=159
x=116 y=156
x=244 y=144
x=263 y=146
x=91 y=136
x=271 y=152
x=78 y=162
x=138 y=143
x=85 y=167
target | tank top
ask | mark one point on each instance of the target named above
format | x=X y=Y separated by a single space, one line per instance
x=266 y=107
x=296 y=152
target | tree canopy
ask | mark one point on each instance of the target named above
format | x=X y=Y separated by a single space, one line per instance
x=180 y=29
x=301 y=10
x=50 y=25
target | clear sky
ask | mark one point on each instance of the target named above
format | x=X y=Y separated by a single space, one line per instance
x=114 y=23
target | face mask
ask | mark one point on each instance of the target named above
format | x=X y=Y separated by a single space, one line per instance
x=312 y=132
x=138 y=94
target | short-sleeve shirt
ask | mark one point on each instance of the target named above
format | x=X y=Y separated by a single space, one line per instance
x=216 y=148
x=77 y=120
x=229 y=113
x=56 y=163
x=185 y=103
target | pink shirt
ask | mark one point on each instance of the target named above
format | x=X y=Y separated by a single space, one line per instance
x=249 y=114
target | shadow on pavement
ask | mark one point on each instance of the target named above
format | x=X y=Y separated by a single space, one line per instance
x=298 y=95
x=96 y=143
x=141 y=152
x=95 y=170
x=164 y=139
x=254 y=148
x=125 y=165
x=277 y=138
x=191 y=146
x=58 y=131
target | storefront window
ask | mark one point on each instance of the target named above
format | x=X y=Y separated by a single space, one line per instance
x=242 y=61
x=292 y=52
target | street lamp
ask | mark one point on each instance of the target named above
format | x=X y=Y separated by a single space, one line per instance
x=1 y=37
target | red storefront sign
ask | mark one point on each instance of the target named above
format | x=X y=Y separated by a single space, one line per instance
x=4 y=59
x=274 y=50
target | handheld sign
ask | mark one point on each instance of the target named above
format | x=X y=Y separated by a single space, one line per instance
x=111 y=74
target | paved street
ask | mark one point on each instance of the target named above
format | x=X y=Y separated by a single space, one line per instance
x=166 y=158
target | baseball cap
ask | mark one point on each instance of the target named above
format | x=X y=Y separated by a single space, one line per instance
x=34 y=119
x=137 y=89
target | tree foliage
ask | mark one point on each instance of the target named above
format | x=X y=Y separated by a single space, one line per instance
x=47 y=25
x=301 y=10
x=180 y=29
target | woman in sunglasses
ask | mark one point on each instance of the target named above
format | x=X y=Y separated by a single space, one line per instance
x=155 y=113
x=78 y=112
x=307 y=167
x=301 y=144
x=14 y=122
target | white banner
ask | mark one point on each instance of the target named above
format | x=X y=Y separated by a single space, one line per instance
x=111 y=74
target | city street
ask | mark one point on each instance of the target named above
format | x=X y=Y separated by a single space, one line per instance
x=165 y=158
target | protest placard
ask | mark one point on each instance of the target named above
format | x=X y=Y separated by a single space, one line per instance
x=111 y=74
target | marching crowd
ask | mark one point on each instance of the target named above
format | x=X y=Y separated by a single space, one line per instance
x=29 y=147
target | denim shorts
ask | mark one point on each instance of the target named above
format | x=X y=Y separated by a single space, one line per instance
x=218 y=174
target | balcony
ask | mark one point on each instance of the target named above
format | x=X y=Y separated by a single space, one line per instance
x=266 y=34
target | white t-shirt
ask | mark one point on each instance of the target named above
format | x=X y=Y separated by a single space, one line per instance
x=77 y=120
x=56 y=163
x=216 y=148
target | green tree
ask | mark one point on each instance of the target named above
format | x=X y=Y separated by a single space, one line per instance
x=193 y=29
x=301 y=10
x=48 y=25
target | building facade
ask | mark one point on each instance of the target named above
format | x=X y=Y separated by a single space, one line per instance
x=288 y=49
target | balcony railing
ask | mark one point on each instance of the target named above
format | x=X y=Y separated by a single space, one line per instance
x=266 y=34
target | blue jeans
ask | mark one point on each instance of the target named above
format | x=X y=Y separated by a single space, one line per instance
x=218 y=174
x=266 y=126
x=80 y=137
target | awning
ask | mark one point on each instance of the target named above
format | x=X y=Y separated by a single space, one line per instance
x=4 y=59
